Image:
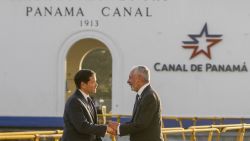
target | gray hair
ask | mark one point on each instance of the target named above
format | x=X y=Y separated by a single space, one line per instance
x=143 y=71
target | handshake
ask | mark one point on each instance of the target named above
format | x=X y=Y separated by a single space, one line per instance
x=112 y=127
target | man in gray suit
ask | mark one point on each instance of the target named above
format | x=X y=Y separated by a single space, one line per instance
x=80 y=117
x=146 y=122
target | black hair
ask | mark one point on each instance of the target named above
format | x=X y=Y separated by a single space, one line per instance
x=83 y=76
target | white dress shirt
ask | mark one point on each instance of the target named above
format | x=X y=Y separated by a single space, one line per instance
x=85 y=95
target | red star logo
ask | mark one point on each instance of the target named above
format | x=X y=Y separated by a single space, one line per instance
x=202 y=43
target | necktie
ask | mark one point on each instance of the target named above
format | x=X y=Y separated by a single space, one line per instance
x=91 y=108
x=136 y=103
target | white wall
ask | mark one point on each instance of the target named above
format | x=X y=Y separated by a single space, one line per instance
x=33 y=48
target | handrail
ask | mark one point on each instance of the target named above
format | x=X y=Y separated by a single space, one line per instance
x=241 y=132
x=172 y=128
x=194 y=119
x=31 y=133
x=35 y=135
x=55 y=136
x=226 y=127
x=42 y=134
x=190 y=130
x=193 y=131
x=113 y=115
x=217 y=126
x=11 y=137
x=245 y=126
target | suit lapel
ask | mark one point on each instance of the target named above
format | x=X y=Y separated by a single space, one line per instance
x=85 y=105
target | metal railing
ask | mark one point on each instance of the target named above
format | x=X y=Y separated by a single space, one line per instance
x=227 y=127
x=36 y=135
x=241 y=130
x=191 y=130
x=31 y=135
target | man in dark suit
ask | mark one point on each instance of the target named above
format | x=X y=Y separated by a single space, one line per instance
x=146 y=122
x=80 y=117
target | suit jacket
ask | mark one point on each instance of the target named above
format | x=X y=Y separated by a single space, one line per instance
x=145 y=124
x=79 y=123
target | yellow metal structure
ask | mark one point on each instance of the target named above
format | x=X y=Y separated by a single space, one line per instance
x=35 y=135
x=192 y=130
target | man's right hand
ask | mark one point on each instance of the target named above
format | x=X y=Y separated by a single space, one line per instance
x=112 y=127
x=111 y=131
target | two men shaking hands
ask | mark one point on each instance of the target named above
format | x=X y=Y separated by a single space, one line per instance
x=80 y=116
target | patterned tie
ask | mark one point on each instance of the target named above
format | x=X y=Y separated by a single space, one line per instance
x=91 y=108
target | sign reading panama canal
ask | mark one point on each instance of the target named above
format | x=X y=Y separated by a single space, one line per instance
x=201 y=44
x=81 y=12
x=198 y=45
